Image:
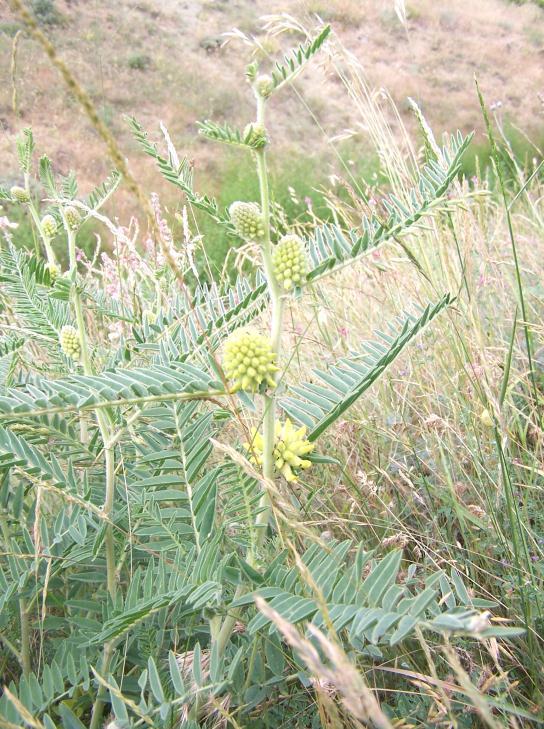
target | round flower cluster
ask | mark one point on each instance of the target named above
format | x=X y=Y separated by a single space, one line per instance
x=72 y=217
x=255 y=135
x=247 y=220
x=70 y=342
x=20 y=194
x=49 y=226
x=290 y=263
x=290 y=447
x=264 y=85
x=249 y=361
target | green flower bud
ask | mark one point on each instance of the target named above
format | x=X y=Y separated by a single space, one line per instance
x=251 y=71
x=290 y=447
x=72 y=217
x=255 y=135
x=290 y=262
x=247 y=220
x=70 y=342
x=264 y=86
x=49 y=226
x=20 y=194
x=53 y=271
x=249 y=361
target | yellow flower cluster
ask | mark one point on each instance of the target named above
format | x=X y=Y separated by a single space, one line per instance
x=247 y=220
x=70 y=342
x=249 y=361
x=72 y=217
x=289 y=260
x=290 y=447
x=49 y=226
x=20 y=194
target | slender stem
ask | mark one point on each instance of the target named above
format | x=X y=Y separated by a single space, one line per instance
x=25 y=637
x=109 y=458
x=275 y=333
x=47 y=245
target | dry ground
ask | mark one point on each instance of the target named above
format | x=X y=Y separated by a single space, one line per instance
x=159 y=61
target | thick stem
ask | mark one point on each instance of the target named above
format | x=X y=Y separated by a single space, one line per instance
x=262 y=518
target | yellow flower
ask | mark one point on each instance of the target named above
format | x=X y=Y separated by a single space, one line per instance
x=290 y=447
x=70 y=342
x=20 y=194
x=290 y=263
x=49 y=226
x=247 y=220
x=249 y=361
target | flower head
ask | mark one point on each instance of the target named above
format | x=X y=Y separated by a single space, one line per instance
x=290 y=263
x=255 y=135
x=249 y=361
x=20 y=194
x=247 y=220
x=72 y=217
x=53 y=271
x=290 y=447
x=70 y=342
x=49 y=226
x=264 y=86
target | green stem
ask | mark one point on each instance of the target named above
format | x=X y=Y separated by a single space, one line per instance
x=109 y=458
x=25 y=637
x=269 y=414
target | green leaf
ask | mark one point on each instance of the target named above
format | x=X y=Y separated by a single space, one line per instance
x=292 y=64
x=318 y=404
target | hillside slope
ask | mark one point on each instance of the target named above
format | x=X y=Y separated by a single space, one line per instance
x=161 y=60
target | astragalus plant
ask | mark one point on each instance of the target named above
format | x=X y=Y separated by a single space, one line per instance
x=156 y=567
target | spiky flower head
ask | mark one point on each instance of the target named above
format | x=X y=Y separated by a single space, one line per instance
x=49 y=226
x=53 y=271
x=290 y=262
x=290 y=447
x=264 y=85
x=70 y=342
x=247 y=220
x=249 y=361
x=72 y=217
x=19 y=194
x=255 y=135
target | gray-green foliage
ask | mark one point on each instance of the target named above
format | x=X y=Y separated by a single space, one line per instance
x=186 y=527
